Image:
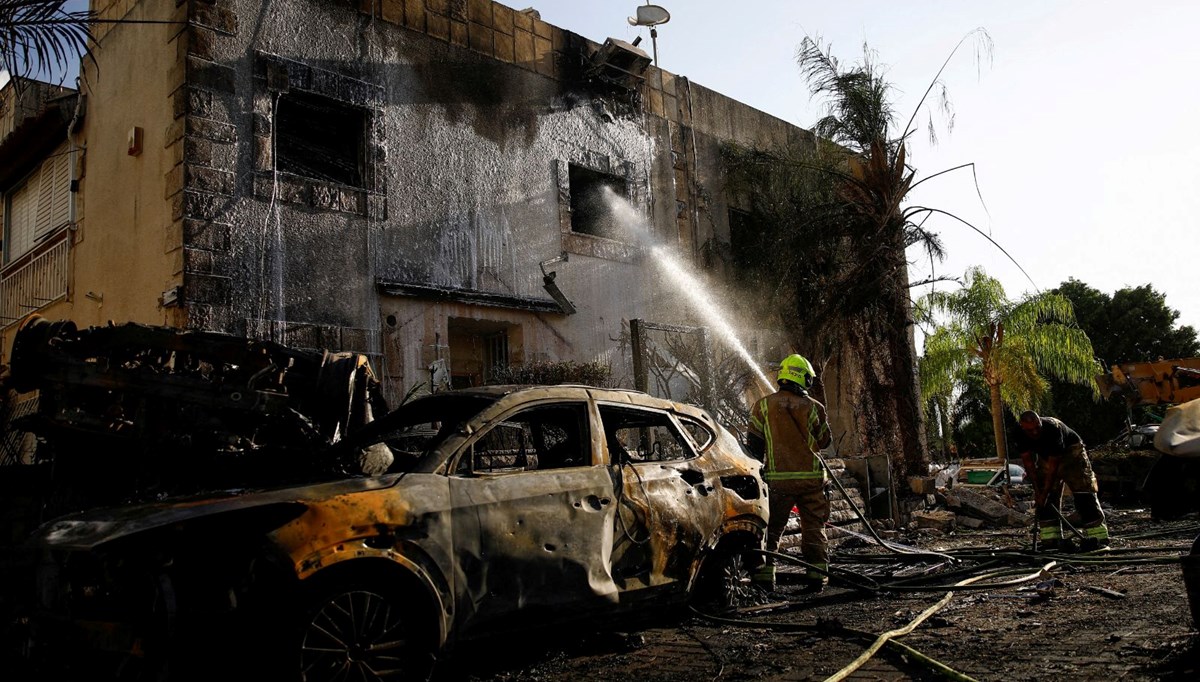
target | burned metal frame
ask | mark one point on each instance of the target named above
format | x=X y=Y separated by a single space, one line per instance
x=132 y=410
x=465 y=552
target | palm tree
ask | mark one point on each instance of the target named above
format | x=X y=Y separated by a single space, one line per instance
x=840 y=201
x=871 y=180
x=41 y=36
x=1016 y=344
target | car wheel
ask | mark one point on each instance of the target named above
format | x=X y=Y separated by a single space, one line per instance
x=724 y=584
x=364 y=631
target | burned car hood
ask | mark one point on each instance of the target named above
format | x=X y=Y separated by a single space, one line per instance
x=89 y=529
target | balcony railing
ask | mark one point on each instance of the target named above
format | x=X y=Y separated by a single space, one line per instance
x=33 y=284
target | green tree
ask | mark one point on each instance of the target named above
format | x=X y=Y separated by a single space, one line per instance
x=1016 y=344
x=1133 y=324
x=971 y=418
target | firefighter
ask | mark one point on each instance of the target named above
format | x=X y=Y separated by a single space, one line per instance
x=1053 y=455
x=787 y=429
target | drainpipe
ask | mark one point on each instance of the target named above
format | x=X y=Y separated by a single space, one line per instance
x=72 y=152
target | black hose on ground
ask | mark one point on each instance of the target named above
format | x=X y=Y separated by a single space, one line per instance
x=834 y=630
x=867 y=584
x=890 y=546
x=887 y=637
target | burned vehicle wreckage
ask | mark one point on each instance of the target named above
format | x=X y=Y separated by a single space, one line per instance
x=223 y=504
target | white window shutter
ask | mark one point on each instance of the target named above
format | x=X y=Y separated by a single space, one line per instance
x=60 y=205
x=40 y=206
x=45 y=198
x=23 y=204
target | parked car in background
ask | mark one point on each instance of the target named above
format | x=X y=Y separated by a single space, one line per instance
x=1016 y=476
x=979 y=472
x=502 y=508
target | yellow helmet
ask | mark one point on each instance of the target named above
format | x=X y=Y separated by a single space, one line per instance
x=797 y=370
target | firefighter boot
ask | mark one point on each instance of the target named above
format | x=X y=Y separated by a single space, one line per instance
x=764 y=577
x=1096 y=538
x=814 y=581
x=1057 y=546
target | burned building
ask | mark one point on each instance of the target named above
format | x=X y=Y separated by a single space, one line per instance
x=428 y=182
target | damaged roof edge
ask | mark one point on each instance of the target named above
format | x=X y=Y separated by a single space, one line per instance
x=473 y=296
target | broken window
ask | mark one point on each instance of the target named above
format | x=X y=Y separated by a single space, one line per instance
x=540 y=438
x=591 y=192
x=701 y=435
x=745 y=239
x=320 y=138
x=642 y=436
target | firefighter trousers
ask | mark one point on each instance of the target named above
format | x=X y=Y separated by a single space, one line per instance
x=1074 y=472
x=808 y=496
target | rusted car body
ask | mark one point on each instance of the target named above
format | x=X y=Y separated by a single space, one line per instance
x=502 y=505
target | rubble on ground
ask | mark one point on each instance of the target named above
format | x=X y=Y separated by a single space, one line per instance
x=947 y=509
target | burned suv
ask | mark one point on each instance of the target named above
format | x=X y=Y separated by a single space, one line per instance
x=489 y=508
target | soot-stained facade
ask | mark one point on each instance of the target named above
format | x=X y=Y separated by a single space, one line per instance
x=428 y=182
x=392 y=177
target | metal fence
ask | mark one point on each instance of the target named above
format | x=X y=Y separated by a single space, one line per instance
x=36 y=284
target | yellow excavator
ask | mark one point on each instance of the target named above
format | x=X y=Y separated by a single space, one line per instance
x=1173 y=484
x=1161 y=382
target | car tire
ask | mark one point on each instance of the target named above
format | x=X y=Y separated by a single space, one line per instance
x=724 y=582
x=364 y=628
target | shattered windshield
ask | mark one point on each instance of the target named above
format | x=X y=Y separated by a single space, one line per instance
x=417 y=428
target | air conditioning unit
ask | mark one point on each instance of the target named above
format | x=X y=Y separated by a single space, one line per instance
x=620 y=63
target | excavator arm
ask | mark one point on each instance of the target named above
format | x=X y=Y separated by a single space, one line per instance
x=1161 y=382
x=1173 y=484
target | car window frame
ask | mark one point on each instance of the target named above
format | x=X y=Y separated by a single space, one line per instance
x=479 y=431
x=671 y=417
x=712 y=435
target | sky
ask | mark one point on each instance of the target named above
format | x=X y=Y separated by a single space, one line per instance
x=1081 y=123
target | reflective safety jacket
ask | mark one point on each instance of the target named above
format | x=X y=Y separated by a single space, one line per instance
x=794 y=427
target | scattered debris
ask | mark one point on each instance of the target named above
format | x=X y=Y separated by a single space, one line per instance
x=970 y=522
x=1111 y=594
x=980 y=505
x=936 y=519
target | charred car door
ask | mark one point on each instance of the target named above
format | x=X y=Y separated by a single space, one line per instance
x=533 y=516
x=665 y=512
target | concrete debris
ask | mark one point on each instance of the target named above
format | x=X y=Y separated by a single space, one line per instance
x=936 y=519
x=970 y=522
x=986 y=506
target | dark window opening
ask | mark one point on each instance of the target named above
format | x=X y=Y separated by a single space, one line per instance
x=591 y=192
x=746 y=240
x=495 y=354
x=480 y=350
x=320 y=138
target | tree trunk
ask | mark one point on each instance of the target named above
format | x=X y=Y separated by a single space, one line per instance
x=998 y=422
x=910 y=417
